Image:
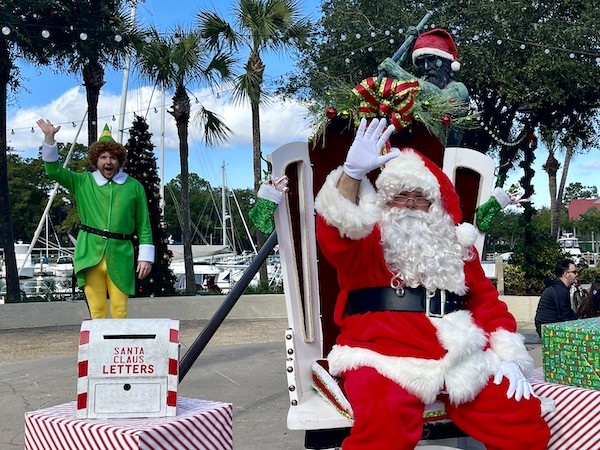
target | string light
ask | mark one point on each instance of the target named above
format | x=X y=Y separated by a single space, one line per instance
x=83 y=36
x=74 y=125
x=12 y=131
x=45 y=34
x=496 y=138
x=114 y=118
x=5 y=31
x=477 y=37
x=32 y=130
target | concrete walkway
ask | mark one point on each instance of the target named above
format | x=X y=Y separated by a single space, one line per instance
x=243 y=363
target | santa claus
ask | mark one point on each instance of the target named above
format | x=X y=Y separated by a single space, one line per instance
x=419 y=320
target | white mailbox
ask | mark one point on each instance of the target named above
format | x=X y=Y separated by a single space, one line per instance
x=128 y=368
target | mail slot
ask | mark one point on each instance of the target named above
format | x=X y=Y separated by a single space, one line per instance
x=128 y=368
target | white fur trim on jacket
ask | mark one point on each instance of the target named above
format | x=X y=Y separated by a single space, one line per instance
x=352 y=221
x=510 y=346
x=462 y=372
x=49 y=152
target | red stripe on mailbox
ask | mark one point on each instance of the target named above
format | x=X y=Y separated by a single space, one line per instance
x=174 y=336
x=82 y=400
x=84 y=337
x=171 y=398
x=173 y=366
x=82 y=369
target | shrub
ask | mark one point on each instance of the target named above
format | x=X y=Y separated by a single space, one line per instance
x=514 y=280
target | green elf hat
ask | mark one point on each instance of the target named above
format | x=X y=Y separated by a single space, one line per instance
x=106 y=136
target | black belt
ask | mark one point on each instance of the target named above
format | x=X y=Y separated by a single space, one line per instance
x=106 y=234
x=361 y=301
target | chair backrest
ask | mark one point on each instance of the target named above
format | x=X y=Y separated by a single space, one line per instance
x=472 y=173
x=295 y=226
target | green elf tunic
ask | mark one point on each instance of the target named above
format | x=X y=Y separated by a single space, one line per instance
x=117 y=205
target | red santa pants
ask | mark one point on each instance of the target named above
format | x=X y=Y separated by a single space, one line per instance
x=386 y=417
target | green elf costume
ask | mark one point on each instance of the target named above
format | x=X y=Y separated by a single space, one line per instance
x=111 y=210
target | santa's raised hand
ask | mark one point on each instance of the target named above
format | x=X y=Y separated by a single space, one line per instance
x=365 y=153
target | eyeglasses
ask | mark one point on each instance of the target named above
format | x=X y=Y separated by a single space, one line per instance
x=402 y=199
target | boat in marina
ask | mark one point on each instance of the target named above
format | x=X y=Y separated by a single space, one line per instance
x=24 y=264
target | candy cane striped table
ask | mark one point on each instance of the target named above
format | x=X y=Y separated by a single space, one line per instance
x=575 y=422
x=199 y=424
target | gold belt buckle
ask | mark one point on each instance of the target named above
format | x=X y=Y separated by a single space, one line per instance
x=428 y=298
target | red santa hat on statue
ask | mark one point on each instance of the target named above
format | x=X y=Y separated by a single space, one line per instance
x=437 y=42
x=411 y=171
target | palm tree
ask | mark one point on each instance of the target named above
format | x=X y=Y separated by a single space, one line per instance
x=259 y=25
x=175 y=62
x=86 y=37
x=20 y=38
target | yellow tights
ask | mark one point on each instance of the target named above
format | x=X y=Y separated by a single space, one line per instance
x=97 y=284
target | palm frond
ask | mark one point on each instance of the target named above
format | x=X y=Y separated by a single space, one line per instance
x=221 y=63
x=248 y=87
x=216 y=31
x=214 y=129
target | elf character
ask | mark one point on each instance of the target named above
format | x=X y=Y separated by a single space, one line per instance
x=111 y=206
x=419 y=320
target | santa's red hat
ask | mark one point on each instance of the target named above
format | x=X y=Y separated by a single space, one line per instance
x=437 y=42
x=412 y=171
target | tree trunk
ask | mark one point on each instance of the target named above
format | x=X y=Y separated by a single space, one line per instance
x=570 y=150
x=6 y=228
x=526 y=164
x=93 y=80
x=257 y=165
x=551 y=167
x=181 y=113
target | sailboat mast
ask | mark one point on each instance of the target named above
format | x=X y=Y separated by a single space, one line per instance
x=125 y=83
x=223 y=205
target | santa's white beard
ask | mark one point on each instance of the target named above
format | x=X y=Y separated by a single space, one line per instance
x=421 y=248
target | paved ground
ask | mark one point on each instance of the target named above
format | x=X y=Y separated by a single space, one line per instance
x=37 y=370
x=243 y=364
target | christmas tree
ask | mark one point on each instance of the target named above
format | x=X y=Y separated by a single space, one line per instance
x=141 y=164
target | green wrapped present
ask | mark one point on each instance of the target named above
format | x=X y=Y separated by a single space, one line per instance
x=571 y=353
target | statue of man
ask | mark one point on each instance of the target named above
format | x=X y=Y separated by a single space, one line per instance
x=436 y=59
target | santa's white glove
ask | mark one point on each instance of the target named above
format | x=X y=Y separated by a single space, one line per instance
x=365 y=153
x=518 y=386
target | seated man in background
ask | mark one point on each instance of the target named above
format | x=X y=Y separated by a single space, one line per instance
x=555 y=302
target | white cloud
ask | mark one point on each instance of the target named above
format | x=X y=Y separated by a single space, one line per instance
x=281 y=122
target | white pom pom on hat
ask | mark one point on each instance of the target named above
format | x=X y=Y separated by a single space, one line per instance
x=466 y=234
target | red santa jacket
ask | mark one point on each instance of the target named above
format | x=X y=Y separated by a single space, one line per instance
x=458 y=353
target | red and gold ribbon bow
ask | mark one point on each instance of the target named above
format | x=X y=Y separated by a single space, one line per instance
x=389 y=98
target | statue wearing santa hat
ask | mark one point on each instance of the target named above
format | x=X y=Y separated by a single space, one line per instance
x=418 y=318
x=435 y=57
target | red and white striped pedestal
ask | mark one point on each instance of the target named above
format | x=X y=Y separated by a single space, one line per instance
x=199 y=424
x=575 y=422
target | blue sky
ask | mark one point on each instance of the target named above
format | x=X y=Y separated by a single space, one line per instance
x=61 y=99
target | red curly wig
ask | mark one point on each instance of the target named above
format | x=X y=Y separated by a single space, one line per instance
x=114 y=148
